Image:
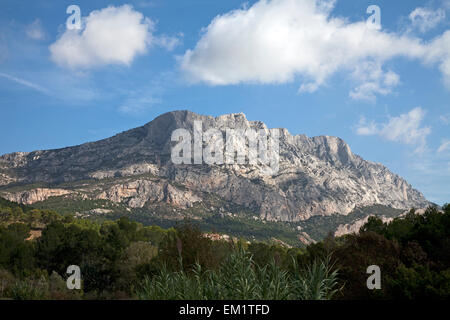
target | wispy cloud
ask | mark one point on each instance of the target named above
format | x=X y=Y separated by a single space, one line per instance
x=364 y=128
x=373 y=81
x=445 y=146
x=35 y=30
x=25 y=83
x=406 y=128
x=169 y=42
x=137 y=105
x=445 y=119
x=425 y=19
x=146 y=97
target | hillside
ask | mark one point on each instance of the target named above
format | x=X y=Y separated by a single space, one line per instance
x=132 y=173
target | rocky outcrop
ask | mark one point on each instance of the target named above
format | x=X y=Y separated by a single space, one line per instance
x=316 y=176
x=139 y=192
x=304 y=238
x=355 y=226
x=133 y=170
x=34 y=195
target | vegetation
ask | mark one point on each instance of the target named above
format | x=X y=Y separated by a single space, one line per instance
x=125 y=259
x=318 y=227
x=239 y=277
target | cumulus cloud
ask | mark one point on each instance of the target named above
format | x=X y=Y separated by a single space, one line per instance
x=35 y=30
x=425 y=19
x=277 y=41
x=406 y=128
x=113 y=35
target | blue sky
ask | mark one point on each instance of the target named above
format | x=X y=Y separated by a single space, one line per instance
x=313 y=67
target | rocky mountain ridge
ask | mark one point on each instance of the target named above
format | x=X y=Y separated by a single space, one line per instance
x=317 y=176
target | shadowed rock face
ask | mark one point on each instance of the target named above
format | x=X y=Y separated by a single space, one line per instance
x=317 y=176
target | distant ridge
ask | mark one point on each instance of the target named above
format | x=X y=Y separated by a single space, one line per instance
x=317 y=176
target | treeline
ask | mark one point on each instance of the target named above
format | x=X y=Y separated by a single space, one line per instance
x=413 y=253
x=107 y=254
x=124 y=259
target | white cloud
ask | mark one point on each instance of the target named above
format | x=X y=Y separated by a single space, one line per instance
x=438 y=51
x=373 y=80
x=406 y=128
x=168 y=42
x=275 y=41
x=35 y=30
x=445 y=146
x=366 y=129
x=113 y=35
x=309 y=87
x=425 y=19
x=25 y=83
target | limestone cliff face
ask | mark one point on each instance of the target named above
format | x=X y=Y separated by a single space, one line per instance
x=139 y=192
x=317 y=176
x=355 y=226
x=34 y=195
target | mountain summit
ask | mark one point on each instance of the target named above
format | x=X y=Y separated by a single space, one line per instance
x=317 y=176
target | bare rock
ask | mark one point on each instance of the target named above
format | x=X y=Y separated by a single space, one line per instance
x=34 y=195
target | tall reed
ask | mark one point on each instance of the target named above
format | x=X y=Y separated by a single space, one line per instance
x=239 y=278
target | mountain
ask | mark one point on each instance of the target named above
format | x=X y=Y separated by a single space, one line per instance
x=133 y=172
